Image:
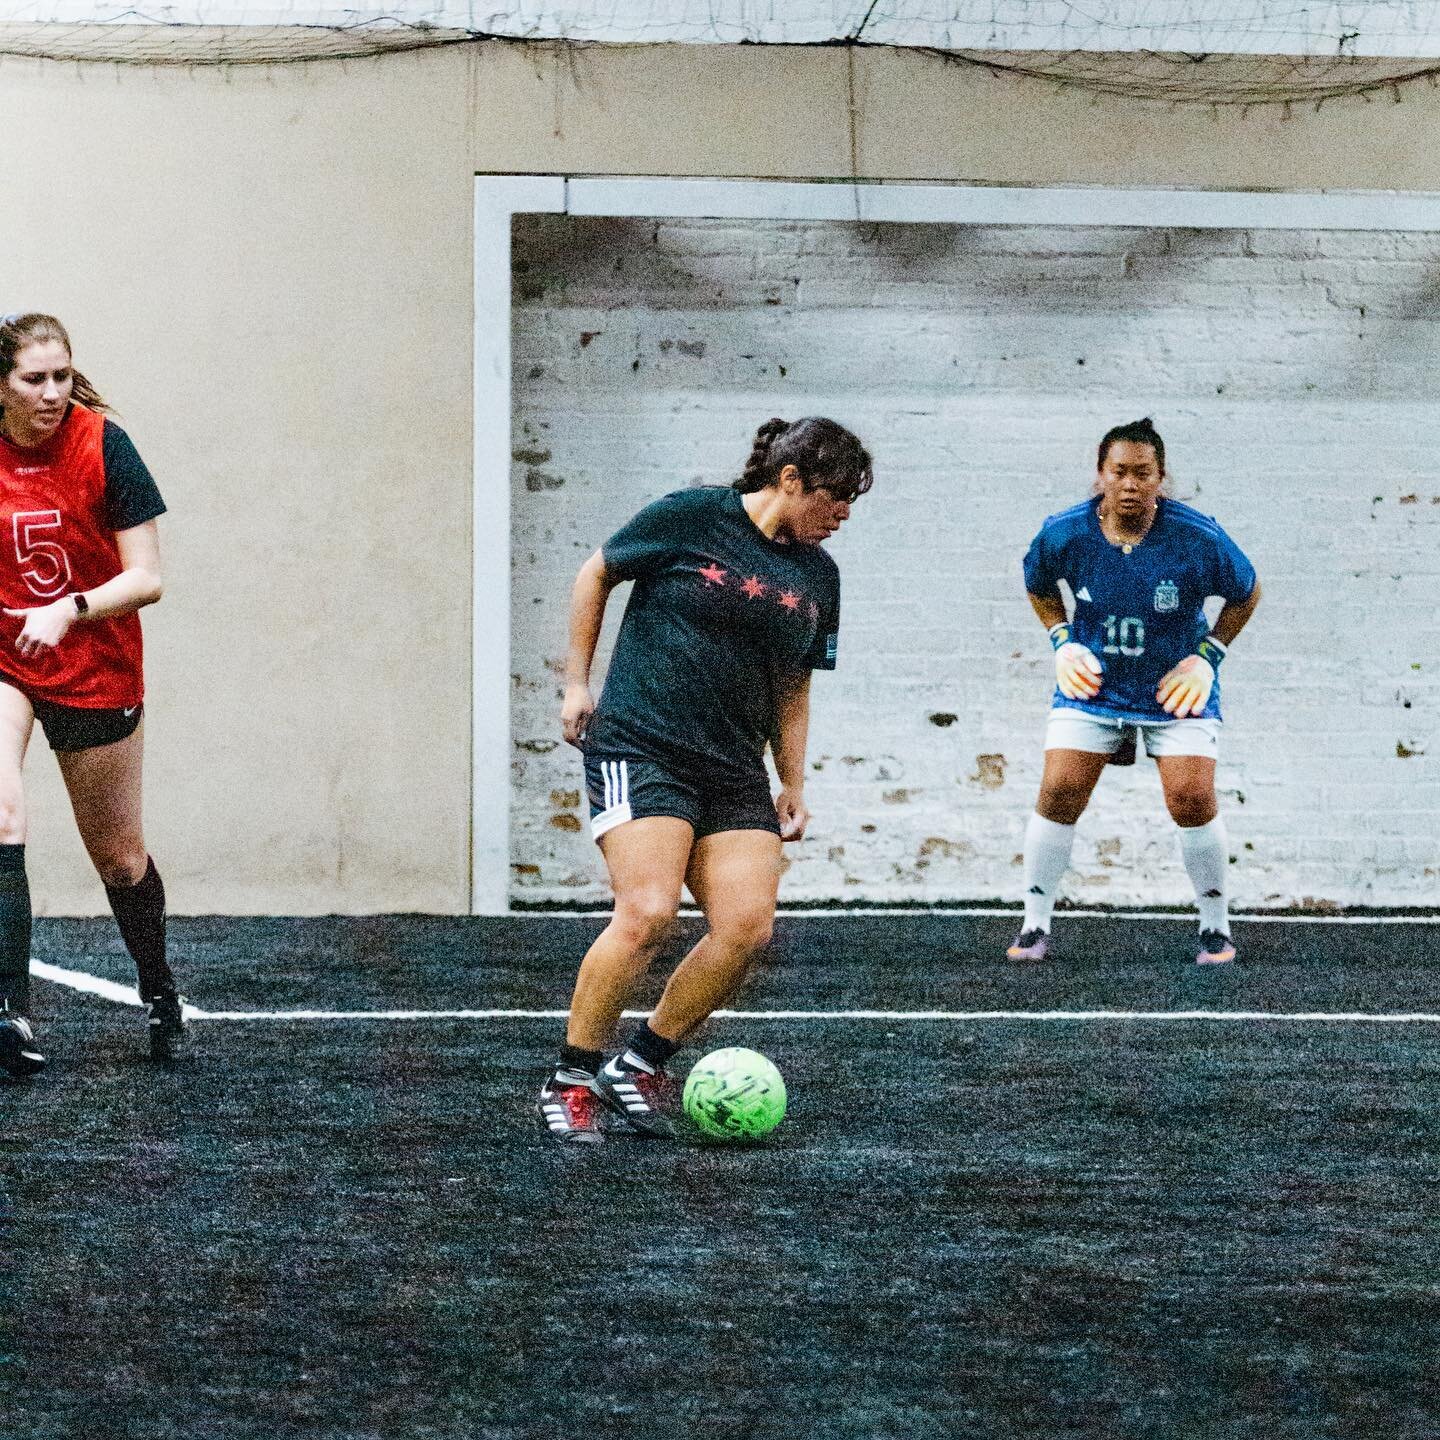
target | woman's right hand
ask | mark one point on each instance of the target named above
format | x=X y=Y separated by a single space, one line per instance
x=575 y=713
x=1077 y=672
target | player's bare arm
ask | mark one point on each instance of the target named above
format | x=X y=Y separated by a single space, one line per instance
x=791 y=734
x=1234 y=616
x=588 y=598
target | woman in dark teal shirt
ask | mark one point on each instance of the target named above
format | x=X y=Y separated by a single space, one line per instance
x=734 y=604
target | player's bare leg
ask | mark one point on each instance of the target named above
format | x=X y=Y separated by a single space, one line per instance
x=734 y=875
x=105 y=788
x=18 y=1053
x=104 y=784
x=1189 y=785
x=1066 y=785
x=646 y=859
x=735 y=878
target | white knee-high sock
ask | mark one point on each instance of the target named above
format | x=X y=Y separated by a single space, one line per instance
x=1047 y=857
x=1206 y=852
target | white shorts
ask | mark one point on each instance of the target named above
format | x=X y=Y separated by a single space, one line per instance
x=1069 y=729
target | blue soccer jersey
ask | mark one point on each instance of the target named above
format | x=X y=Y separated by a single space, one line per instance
x=1140 y=613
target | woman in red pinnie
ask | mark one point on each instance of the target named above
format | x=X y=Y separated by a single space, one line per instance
x=79 y=556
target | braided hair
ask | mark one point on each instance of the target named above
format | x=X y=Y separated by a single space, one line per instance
x=823 y=451
x=32 y=328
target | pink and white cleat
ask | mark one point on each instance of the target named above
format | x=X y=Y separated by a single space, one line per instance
x=1215 y=948
x=1030 y=945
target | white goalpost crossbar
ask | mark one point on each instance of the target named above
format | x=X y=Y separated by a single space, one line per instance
x=499 y=198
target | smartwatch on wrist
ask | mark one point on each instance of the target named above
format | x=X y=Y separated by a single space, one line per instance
x=82 y=605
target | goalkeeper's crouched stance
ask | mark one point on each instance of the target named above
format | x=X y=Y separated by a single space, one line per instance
x=1135 y=661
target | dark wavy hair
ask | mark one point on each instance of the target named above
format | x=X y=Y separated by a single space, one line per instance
x=1138 y=432
x=18 y=331
x=825 y=453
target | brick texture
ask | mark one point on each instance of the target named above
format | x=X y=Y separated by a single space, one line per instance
x=1292 y=376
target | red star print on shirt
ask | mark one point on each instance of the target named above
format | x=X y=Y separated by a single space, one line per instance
x=789 y=599
x=753 y=587
x=713 y=574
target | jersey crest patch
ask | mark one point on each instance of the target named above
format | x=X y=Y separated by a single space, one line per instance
x=1167 y=596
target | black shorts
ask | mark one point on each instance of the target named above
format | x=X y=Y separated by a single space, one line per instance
x=72 y=727
x=633 y=787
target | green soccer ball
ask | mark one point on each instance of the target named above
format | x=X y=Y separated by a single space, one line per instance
x=734 y=1094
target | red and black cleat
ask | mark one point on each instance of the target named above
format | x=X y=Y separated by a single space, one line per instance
x=570 y=1113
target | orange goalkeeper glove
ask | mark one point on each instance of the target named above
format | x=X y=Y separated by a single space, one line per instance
x=1077 y=671
x=1185 y=691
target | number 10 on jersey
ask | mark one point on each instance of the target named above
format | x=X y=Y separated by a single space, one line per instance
x=1124 y=636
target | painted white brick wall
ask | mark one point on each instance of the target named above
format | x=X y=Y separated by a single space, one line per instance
x=1293 y=376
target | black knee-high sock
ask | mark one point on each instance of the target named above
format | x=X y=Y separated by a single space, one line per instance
x=14 y=930
x=140 y=914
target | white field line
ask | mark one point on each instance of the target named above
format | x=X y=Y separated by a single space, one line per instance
x=1003 y=913
x=887 y=1016
x=87 y=984
x=124 y=995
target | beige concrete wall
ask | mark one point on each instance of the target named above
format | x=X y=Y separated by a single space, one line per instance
x=269 y=273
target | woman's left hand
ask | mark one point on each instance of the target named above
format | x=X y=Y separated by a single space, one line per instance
x=794 y=817
x=45 y=626
x=1185 y=691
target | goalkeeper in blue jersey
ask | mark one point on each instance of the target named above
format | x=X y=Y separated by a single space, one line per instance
x=1137 y=658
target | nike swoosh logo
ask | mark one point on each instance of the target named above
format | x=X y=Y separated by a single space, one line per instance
x=128 y=713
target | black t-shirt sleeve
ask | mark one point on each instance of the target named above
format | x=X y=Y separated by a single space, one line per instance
x=131 y=494
x=824 y=649
x=651 y=538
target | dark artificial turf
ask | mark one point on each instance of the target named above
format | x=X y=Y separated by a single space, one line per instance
x=995 y=1228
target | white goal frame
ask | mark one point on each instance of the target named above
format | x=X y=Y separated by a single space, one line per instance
x=499 y=198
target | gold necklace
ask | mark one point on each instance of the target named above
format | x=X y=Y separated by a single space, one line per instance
x=1127 y=546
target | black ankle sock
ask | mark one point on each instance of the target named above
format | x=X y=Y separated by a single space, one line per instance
x=653 y=1049
x=573 y=1057
x=14 y=930
x=139 y=911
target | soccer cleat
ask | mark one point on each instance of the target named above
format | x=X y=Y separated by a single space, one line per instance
x=1030 y=945
x=1215 y=948
x=649 y=1103
x=571 y=1113
x=170 y=1038
x=18 y=1055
